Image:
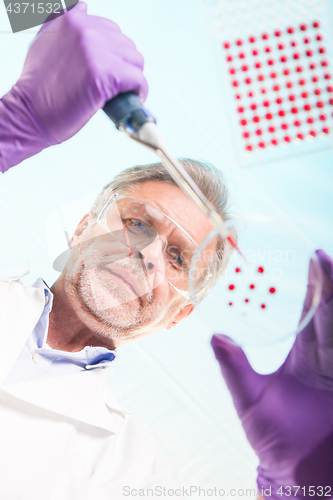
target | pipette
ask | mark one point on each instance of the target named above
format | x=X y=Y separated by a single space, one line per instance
x=129 y=115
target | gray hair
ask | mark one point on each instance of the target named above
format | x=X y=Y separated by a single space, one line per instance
x=208 y=178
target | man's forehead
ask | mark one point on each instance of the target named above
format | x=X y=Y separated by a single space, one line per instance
x=173 y=202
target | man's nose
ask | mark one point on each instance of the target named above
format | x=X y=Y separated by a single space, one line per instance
x=152 y=256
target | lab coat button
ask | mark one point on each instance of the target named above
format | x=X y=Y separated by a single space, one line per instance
x=36 y=357
x=47 y=299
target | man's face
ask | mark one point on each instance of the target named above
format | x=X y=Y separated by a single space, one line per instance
x=104 y=291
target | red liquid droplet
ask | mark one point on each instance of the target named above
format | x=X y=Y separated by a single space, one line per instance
x=293 y=43
x=289 y=85
x=316 y=24
x=266 y=104
x=256 y=119
x=239 y=42
x=327 y=76
x=323 y=117
x=276 y=88
x=240 y=109
x=249 y=147
x=268 y=49
x=270 y=62
x=238 y=96
x=297 y=123
x=252 y=286
x=263 y=90
x=282 y=112
x=246 y=300
x=312 y=65
x=292 y=97
x=287 y=138
x=315 y=78
x=255 y=52
x=329 y=88
x=250 y=94
x=321 y=50
x=319 y=37
x=253 y=106
x=279 y=100
x=226 y=45
x=262 y=145
x=272 y=290
x=317 y=91
x=238 y=269
x=304 y=95
x=307 y=107
x=309 y=53
x=300 y=136
x=273 y=74
x=274 y=142
x=235 y=83
x=269 y=116
x=324 y=63
x=231 y=287
x=283 y=59
x=259 y=131
x=280 y=46
x=261 y=78
x=296 y=55
x=246 y=135
x=286 y=71
x=230 y=303
x=232 y=71
x=248 y=81
x=294 y=110
x=252 y=39
x=241 y=55
x=243 y=122
x=271 y=129
x=310 y=120
x=326 y=130
x=278 y=33
x=301 y=81
x=263 y=306
x=299 y=69
x=229 y=58
x=260 y=269
x=245 y=67
x=320 y=104
x=284 y=126
x=264 y=36
x=307 y=39
x=290 y=30
x=303 y=27
x=313 y=133
x=331 y=102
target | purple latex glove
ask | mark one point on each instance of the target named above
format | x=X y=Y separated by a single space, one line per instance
x=288 y=415
x=75 y=64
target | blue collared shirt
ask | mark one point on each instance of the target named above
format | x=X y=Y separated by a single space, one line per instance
x=37 y=360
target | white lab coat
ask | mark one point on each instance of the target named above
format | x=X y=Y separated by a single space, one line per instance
x=66 y=437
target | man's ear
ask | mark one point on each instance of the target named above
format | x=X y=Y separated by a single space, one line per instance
x=181 y=315
x=82 y=225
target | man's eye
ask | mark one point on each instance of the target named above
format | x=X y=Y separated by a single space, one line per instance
x=137 y=226
x=176 y=260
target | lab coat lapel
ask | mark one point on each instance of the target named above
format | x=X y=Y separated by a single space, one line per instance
x=20 y=309
x=79 y=396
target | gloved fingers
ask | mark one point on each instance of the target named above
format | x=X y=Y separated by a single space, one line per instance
x=133 y=80
x=80 y=7
x=244 y=384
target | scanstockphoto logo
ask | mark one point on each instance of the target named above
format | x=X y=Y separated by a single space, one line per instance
x=25 y=15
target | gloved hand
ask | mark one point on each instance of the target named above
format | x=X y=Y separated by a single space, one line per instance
x=288 y=415
x=75 y=64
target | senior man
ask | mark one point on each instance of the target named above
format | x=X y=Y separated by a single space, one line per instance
x=62 y=434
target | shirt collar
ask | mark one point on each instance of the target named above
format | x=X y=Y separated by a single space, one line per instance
x=90 y=357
